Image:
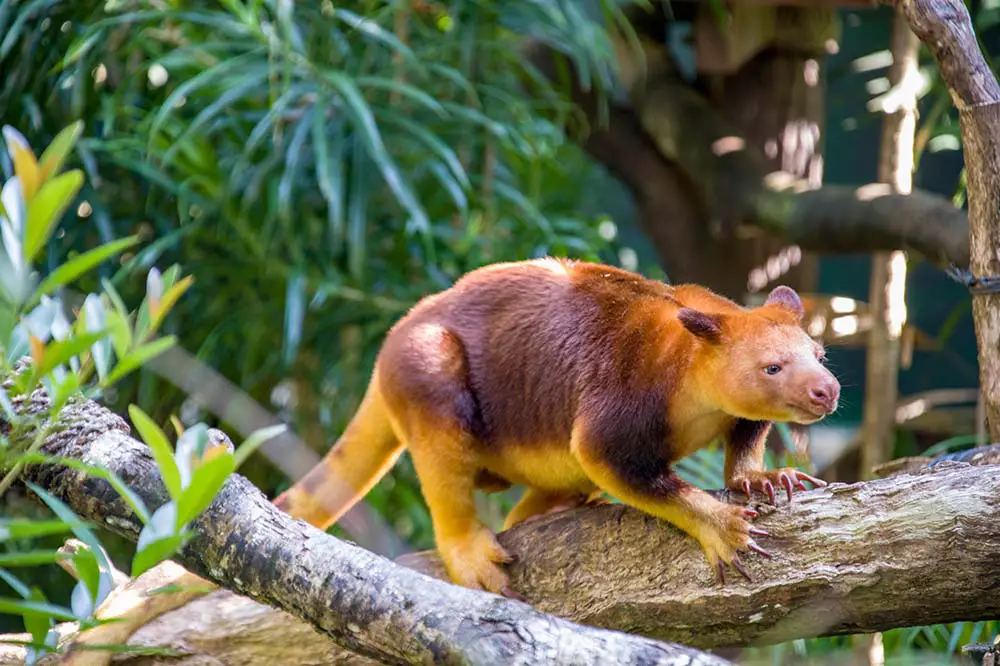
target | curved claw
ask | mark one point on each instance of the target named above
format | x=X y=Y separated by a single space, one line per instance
x=756 y=531
x=720 y=569
x=818 y=483
x=738 y=565
x=750 y=513
x=746 y=488
x=752 y=545
x=786 y=481
x=769 y=489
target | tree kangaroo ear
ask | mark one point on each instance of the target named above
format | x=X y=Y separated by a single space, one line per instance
x=786 y=297
x=708 y=327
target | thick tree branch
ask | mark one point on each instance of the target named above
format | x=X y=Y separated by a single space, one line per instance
x=364 y=602
x=669 y=119
x=945 y=27
x=900 y=551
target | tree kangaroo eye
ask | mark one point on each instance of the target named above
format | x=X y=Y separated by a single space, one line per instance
x=773 y=369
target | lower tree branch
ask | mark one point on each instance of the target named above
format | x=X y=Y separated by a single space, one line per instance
x=364 y=602
x=906 y=550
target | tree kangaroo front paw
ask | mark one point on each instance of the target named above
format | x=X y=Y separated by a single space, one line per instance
x=768 y=480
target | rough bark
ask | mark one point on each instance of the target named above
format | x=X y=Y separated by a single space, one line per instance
x=895 y=169
x=364 y=602
x=945 y=27
x=901 y=551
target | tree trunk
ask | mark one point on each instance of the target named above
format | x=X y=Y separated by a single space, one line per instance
x=945 y=27
x=888 y=275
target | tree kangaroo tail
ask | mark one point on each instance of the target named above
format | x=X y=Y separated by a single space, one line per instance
x=365 y=453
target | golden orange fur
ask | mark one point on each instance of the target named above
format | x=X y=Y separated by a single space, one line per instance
x=574 y=379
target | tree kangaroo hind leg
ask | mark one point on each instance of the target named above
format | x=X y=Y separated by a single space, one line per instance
x=469 y=549
x=439 y=423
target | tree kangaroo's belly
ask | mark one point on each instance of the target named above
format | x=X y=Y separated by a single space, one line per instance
x=547 y=466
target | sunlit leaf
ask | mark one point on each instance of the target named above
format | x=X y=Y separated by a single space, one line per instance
x=157 y=442
x=204 y=486
x=47 y=208
x=38 y=624
x=169 y=298
x=79 y=265
x=139 y=356
x=155 y=552
x=55 y=155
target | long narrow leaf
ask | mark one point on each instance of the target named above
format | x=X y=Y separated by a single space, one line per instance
x=367 y=128
x=79 y=265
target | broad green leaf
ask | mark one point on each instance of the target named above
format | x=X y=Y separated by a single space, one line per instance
x=139 y=356
x=162 y=523
x=53 y=157
x=204 y=486
x=88 y=571
x=79 y=265
x=47 y=208
x=156 y=552
x=156 y=440
x=256 y=439
x=191 y=448
x=120 y=332
x=37 y=624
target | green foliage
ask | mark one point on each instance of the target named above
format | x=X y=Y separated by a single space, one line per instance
x=318 y=166
x=76 y=359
